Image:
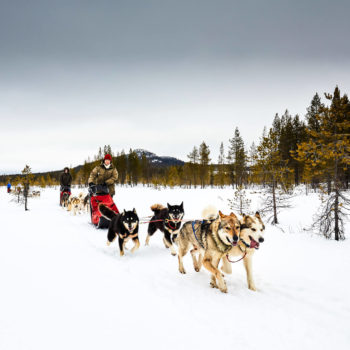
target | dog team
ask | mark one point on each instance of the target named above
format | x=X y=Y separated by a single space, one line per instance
x=218 y=237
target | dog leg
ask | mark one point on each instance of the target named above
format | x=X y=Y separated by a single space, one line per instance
x=121 y=245
x=151 y=229
x=111 y=235
x=165 y=243
x=200 y=261
x=136 y=246
x=196 y=266
x=211 y=264
x=213 y=282
x=226 y=266
x=248 y=267
x=183 y=249
x=168 y=243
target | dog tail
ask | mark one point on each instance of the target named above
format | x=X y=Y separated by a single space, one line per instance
x=157 y=207
x=210 y=213
x=106 y=212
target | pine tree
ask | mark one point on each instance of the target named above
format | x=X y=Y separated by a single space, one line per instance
x=327 y=154
x=173 y=176
x=237 y=159
x=134 y=167
x=221 y=172
x=240 y=203
x=204 y=160
x=193 y=166
x=313 y=111
x=27 y=180
x=272 y=169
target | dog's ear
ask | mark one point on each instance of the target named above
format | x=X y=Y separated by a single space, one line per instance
x=124 y=212
x=168 y=205
x=182 y=205
x=221 y=215
x=233 y=215
x=257 y=214
x=134 y=210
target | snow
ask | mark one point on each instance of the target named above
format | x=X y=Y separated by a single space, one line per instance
x=63 y=288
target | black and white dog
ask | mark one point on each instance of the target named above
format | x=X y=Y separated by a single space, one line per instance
x=167 y=220
x=125 y=225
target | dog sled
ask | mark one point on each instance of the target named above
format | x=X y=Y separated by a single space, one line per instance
x=64 y=194
x=99 y=194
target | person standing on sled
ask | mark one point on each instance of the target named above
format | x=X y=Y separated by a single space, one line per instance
x=104 y=174
x=65 y=182
x=8 y=188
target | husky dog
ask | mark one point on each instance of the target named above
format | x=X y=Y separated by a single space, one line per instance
x=86 y=203
x=210 y=239
x=74 y=205
x=65 y=199
x=125 y=225
x=167 y=220
x=252 y=230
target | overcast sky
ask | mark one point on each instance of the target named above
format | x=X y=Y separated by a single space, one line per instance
x=157 y=74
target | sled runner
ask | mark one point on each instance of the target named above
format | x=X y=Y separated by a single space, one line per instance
x=99 y=194
x=63 y=190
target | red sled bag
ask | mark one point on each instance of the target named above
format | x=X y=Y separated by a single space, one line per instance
x=95 y=200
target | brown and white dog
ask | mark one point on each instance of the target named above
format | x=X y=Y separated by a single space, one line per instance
x=210 y=241
x=251 y=236
x=74 y=205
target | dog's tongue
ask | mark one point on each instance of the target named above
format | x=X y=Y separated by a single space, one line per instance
x=254 y=244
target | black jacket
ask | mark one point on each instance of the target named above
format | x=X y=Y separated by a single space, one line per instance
x=65 y=178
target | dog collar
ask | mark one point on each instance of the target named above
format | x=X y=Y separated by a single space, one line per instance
x=168 y=221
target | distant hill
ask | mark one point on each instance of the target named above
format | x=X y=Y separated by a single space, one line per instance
x=155 y=160
x=159 y=160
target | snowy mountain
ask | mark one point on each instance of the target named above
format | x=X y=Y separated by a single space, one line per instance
x=158 y=160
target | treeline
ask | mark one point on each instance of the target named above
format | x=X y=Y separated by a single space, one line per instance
x=288 y=153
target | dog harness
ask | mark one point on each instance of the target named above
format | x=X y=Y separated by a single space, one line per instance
x=194 y=232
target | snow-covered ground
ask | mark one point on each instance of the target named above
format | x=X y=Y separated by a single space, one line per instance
x=61 y=287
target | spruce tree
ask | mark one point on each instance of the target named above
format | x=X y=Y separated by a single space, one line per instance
x=237 y=159
x=327 y=154
x=204 y=160
x=221 y=167
x=193 y=166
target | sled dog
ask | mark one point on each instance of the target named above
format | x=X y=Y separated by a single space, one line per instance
x=74 y=205
x=86 y=203
x=167 y=220
x=125 y=225
x=210 y=240
x=65 y=200
x=252 y=230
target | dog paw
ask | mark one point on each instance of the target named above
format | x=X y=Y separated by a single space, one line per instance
x=253 y=288
x=182 y=271
x=196 y=269
x=121 y=253
x=223 y=290
x=213 y=285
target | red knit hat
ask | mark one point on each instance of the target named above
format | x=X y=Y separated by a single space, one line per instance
x=108 y=156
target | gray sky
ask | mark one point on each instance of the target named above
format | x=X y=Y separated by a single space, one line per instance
x=160 y=75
